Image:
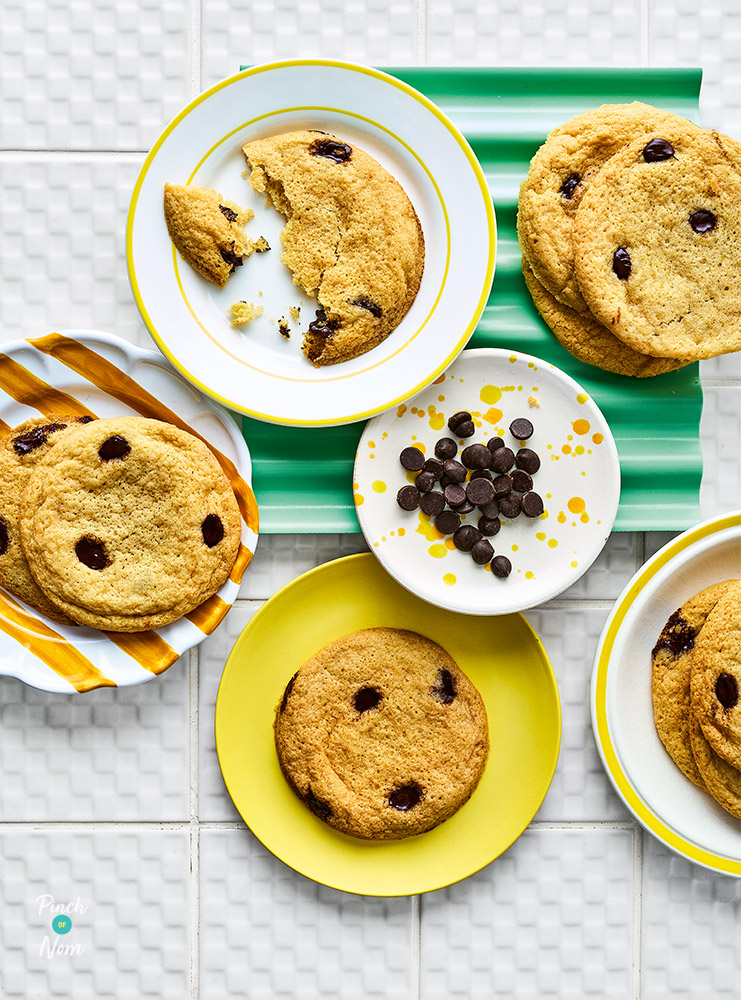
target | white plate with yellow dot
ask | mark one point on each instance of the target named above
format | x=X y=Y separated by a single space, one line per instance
x=578 y=481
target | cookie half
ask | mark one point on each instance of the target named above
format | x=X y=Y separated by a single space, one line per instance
x=129 y=523
x=381 y=734
x=352 y=238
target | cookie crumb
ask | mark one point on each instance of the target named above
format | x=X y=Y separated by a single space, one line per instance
x=283 y=328
x=295 y=311
x=261 y=245
x=241 y=313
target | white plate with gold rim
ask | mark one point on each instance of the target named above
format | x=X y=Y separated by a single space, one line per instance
x=579 y=482
x=253 y=369
x=83 y=372
x=683 y=817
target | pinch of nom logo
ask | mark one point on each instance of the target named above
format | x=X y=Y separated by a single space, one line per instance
x=60 y=916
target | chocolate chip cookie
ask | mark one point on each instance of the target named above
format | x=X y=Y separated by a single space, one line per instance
x=352 y=238
x=381 y=734
x=129 y=523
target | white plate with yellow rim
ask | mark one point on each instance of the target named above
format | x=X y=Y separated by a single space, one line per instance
x=683 y=817
x=254 y=369
x=86 y=373
x=578 y=480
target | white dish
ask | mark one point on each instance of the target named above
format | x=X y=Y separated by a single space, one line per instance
x=579 y=481
x=669 y=806
x=257 y=371
x=107 y=377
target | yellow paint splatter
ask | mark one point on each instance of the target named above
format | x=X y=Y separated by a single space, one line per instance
x=584 y=518
x=515 y=548
x=414 y=410
x=598 y=438
x=579 y=450
x=529 y=575
x=450 y=543
x=358 y=499
x=487 y=567
x=437 y=551
x=493 y=415
x=376 y=544
x=552 y=543
x=540 y=535
x=490 y=394
x=576 y=505
x=544 y=516
x=437 y=422
x=379 y=486
x=548 y=496
x=439 y=379
x=561 y=517
x=401 y=410
x=581 y=426
x=371 y=444
x=566 y=449
x=569 y=437
x=574 y=564
x=402 y=531
x=371 y=455
x=427 y=529
x=582 y=397
x=513 y=358
x=449 y=579
x=383 y=538
x=440 y=399
x=385 y=434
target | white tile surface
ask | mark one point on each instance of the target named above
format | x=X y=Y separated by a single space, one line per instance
x=281 y=558
x=720 y=435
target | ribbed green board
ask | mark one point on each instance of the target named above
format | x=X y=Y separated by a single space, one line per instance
x=303 y=477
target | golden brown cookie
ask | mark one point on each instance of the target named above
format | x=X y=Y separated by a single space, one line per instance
x=352 y=238
x=129 y=523
x=381 y=734
x=719 y=778
x=589 y=341
x=670 y=678
x=20 y=451
x=560 y=174
x=207 y=230
x=657 y=245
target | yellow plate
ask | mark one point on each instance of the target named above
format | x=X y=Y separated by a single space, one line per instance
x=503 y=657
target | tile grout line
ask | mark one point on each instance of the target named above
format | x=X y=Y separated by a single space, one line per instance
x=422 y=32
x=415 y=985
x=194 y=833
x=644 y=39
x=637 y=908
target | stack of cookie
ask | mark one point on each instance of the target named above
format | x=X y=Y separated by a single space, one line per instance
x=123 y=524
x=695 y=687
x=629 y=222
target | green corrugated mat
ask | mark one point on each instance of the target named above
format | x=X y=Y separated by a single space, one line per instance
x=303 y=476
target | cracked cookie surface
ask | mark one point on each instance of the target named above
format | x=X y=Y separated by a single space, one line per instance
x=352 y=238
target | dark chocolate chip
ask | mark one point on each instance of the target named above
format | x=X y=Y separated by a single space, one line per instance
x=489 y=526
x=726 y=690
x=480 y=492
x=658 y=149
x=92 y=553
x=482 y=551
x=502 y=459
x=482 y=474
x=466 y=537
x=212 y=530
x=495 y=443
x=502 y=485
x=408 y=498
x=532 y=504
x=445 y=481
x=491 y=510
x=424 y=482
x=455 y=472
x=432 y=503
x=446 y=448
x=287 y=692
x=365 y=303
x=331 y=149
x=320 y=808
x=521 y=428
x=366 y=698
x=461 y=417
x=510 y=506
x=702 y=221
x=455 y=494
x=412 y=459
x=569 y=186
x=448 y=522
x=444 y=689
x=466 y=429
x=621 y=263
x=234 y=260
x=523 y=481
x=4 y=537
x=405 y=798
x=677 y=636
x=501 y=566
x=476 y=456
x=527 y=460
x=320 y=330
x=228 y=213
x=115 y=446
x=84 y=420
x=464 y=508
x=435 y=467
x=33 y=439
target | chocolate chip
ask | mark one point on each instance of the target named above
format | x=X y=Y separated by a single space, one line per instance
x=532 y=504
x=435 y=467
x=455 y=494
x=702 y=221
x=455 y=472
x=501 y=566
x=527 y=460
x=424 y=482
x=432 y=503
x=320 y=808
x=83 y=420
x=476 y=456
x=491 y=510
x=444 y=689
x=287 y=692
x=569 y=186
x=365 y=303
x=482 y=551
x=445 y=481
x=212 y=530
x=621 y=263
x=320 y=330
x=677 y=636
x=510 y=506
x=33 y=439
x=466 y=429
x=114 y=447
x=448 y=522
x=480 y=492
x=232 y=259
x=405 y=798
x=726 y=690
x=331 y=149
x=408 y=498
x=92 y=553
x=461 y=424
x=4 y=537
x=464 y=508
x=366 y=698
x=228 y=213
x=446 y=448
x=522 y=480
x=466 y=537
x=489 y=526
x=657 y=150
x=494 y=444
x=502 y=459
x=482 y=474
x=412 y=459
x=502 y=485
x=284 y=329
x=521 y=428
